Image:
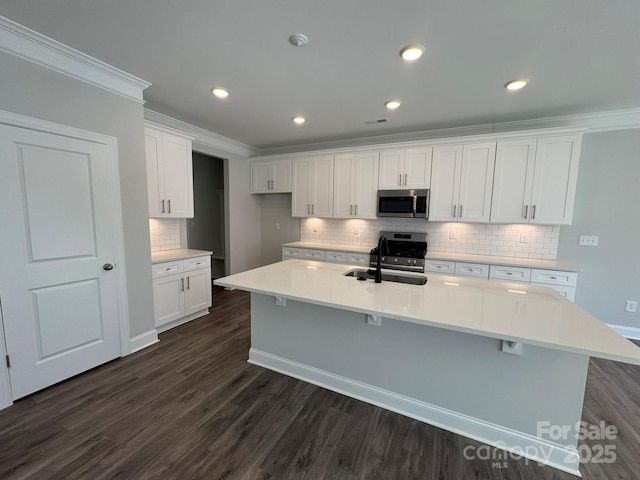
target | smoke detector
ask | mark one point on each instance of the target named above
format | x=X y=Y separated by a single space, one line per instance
x=298 y=40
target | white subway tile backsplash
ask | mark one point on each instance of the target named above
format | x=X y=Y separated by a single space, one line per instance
x=479 y=239
x=165 y=233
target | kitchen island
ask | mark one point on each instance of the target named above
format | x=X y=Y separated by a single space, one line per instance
x=487 y=360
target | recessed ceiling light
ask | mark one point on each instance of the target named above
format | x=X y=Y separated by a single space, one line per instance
x=412 y=52
x=516 y=84
x=220 y=92
x=392 y=104
x=298 y=120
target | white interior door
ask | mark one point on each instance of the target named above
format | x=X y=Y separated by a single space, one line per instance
x=60 y=306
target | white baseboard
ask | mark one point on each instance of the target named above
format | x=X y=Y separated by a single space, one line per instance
x=525 y=445
x=144 y=340
x=632 y=333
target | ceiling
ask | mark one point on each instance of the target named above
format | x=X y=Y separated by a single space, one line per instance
x=582 y=56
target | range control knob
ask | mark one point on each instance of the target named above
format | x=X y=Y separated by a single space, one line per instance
x=408 y=261
x=382 y=259
x=415 y=261
x=395 y=260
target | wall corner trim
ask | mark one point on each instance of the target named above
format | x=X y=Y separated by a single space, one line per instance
x=144 y=340
x=30 y=45
x=632 y=333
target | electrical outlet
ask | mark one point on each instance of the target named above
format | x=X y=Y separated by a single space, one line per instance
x=356 y=232
x=632 y=307
x=524 y=238
x=588 y=240
x=277 y=226
x=452 y=234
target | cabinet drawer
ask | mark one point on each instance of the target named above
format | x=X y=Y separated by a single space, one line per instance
x=335 y=257
x=313 y=255
x=553 y=277
x=476 y=270
x=166 y=268
x=439 y=266
x=291 y=252
x=197 y=262
x=358 y=259
x=510 y=274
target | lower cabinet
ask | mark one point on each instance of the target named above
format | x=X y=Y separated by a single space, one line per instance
x=562 y=282
x=181 y=291
x=329 y=256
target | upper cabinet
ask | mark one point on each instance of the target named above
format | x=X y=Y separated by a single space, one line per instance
x=355 y=185
x=461 y=181
x=405 y=169
x=169 y=173
x=312 y=192
x=272 y=176
x=535 y=180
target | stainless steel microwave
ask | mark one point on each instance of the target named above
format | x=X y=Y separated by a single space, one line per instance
x=403 y=203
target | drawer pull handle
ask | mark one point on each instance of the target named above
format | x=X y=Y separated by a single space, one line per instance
x=168 y=268
x=509 y=273
x=554 y=278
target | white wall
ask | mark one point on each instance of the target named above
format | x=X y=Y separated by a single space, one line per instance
x=607 y=205
x=32 y=90
x=276 y=208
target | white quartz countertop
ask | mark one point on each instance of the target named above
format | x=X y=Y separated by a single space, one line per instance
x=451 y=257
x=523 y=313
x=177 y=254
x=329 y=246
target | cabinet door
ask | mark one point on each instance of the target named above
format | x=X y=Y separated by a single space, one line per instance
x=476 y=180
x=301 y=196
x=197 y=290
x=343 y=186
x=168 y=298
x=445 y=183
x=155 y=174
x=391 y=170
x=366 y=185
x=512 y=181
x=261 y=177
x=178 y=176
x=554 y=180
x=281 y=177
x=322 y=186
x=417 y=168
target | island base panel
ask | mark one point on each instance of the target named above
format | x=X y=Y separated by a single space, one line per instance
x=457 y=381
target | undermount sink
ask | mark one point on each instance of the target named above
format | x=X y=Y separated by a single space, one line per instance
x=362 y=274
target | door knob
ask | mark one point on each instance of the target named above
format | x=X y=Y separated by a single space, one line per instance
x=107 y=266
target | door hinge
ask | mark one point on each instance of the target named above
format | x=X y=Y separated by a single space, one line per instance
x=8 y=361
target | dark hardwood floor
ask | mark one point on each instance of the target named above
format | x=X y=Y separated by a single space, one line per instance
x=190 y=407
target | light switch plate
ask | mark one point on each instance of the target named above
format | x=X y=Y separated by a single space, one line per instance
x=631 y=307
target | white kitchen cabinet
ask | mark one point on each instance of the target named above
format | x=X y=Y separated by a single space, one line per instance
x=562 y=282
x=472 y=270
x=461 y=183
x=272 y=176
x=358 y=259
x=181 y=291
x=312 y=189
x=331 y=256
x=535 y=180
x=405 y=169
x=169 y=173
x=510 y=274
x=355 y=185
x=441 y=267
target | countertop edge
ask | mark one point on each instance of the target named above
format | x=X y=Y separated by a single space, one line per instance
x=160 y=256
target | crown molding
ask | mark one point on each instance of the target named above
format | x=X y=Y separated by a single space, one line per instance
x=23 y=42
x=588 y=123
x=201 y=135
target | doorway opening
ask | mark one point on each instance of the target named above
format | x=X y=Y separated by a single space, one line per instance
x=206 y=230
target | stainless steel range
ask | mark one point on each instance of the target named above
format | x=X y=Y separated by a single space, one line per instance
x=406 y=251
